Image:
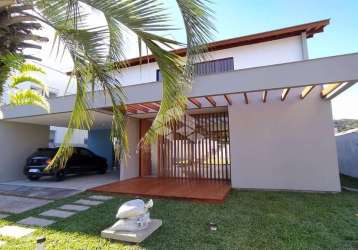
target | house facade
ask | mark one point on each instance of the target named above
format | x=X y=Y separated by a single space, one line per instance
x=258 y=116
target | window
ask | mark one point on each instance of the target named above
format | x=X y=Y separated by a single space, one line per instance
x=209 y=67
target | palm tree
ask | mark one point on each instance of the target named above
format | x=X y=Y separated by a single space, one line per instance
x=30 y=96
x=95 y=60
x=16 y=34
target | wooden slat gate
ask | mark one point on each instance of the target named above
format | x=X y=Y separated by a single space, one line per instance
x=198 y=147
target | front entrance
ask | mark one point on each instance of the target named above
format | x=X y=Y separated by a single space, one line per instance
x=198 y=147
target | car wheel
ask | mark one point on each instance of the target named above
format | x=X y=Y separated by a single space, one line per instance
x=60 y=176
x=33 y=177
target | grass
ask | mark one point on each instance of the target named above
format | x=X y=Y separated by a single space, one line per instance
x=349 y=181
x=247 y=220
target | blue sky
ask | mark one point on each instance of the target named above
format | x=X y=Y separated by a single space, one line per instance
x=235 y=18
x=242 y=17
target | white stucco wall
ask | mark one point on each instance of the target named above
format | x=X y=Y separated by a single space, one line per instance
x=78 y=138
x=255 y=55
x=18 y=142
x=284 y=146
x=130 y=166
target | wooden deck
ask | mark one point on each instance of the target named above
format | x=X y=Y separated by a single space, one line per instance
x=200 y=190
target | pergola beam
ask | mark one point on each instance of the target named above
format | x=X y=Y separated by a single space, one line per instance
x=149 y=106
x=211 y=100
x=228 y=99
x=329 y=88
x=284 y=93
x=196 y=102
x=138 y=108
x=336 y=90
x=130 y=110
x=264 y=96
x=246 y=98
x=306 y=91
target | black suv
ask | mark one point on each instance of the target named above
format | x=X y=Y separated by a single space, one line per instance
x=81 y=161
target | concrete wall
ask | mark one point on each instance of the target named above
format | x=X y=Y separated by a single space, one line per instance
x=255 y=55
x=19 y=141
x=99 y=142
x=130 y=166
x=347 y=149
x=284 y=145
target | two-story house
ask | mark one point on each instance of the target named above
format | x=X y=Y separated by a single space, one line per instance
x=258 y=117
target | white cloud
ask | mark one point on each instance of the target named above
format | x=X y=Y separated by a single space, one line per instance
x=345 y=106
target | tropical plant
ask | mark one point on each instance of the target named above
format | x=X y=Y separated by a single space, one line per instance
x=97 y=51
x=16 y=34
x=19 y=73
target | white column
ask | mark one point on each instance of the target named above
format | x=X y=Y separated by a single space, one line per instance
x=130 y=166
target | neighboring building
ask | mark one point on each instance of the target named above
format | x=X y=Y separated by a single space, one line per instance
x=259 y=116
x=347 y=151
x=57 y=134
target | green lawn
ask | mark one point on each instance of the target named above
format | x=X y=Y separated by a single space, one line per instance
x=247 y=220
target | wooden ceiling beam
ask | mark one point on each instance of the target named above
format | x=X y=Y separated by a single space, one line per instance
x=246 y=98
x=195 y=102
x=306 y=91
x=228 y=99
x=284 y=93
x=211 y=100
x=264 y=96
x=130 y=110
x=149 y=106
x=329 y=88
x=138 y=108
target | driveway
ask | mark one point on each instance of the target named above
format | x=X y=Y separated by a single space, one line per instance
x=23 y=195
x=80 y=183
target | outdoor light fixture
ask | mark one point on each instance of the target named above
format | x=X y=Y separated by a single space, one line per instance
x=40 y=243
x=213 y=226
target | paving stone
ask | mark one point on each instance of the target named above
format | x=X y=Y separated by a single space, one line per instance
x=88 y=202
x=15 y=231
x=100 y=197
x=57 y=213
x=2 y=243
x=17 y=205
x=34 y=221
x=2 y=215
x=74 y=207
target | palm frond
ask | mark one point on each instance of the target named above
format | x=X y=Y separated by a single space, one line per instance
x=94 y=50
x=29 y=97
x=81 y=118
x=16 y=80
x=29 y=67
x=8 y=63
x=143 y=17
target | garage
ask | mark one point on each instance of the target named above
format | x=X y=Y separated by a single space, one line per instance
x=27 y=134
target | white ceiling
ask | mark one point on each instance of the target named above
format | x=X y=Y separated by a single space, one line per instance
x=101 y=120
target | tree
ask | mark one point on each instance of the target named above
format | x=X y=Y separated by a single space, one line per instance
x=16 y=31
x=21 y=74
x=95 y=60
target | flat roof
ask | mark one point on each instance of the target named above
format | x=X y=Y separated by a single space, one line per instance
x=310 y=28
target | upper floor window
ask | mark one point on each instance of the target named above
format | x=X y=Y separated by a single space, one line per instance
x=209 y=67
